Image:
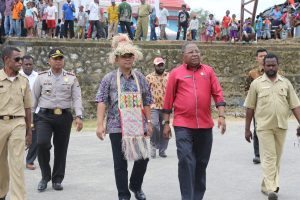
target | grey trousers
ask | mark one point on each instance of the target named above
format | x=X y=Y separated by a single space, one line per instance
x=157 y=139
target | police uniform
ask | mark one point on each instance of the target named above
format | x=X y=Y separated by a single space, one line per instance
x=15 y=98
x=54 y=96
x=272 y=103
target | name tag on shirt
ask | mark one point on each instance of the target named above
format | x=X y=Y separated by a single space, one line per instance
x=188 y=76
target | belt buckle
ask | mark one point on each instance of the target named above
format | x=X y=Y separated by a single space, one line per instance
x=6 y=118
x=57 y=111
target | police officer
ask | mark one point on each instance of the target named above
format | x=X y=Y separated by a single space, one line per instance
x=54 y=92
x=15 y=124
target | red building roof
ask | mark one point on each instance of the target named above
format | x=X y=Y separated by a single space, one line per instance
x=173 y=4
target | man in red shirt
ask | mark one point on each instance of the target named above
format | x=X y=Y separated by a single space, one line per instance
x=189 y=91
x=225 y=26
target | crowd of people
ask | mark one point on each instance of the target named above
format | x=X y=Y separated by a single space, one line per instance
x=39 y=18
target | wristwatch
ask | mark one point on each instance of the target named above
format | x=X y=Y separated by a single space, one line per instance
x=149 y=121
x=165 y=122
x=80 y=117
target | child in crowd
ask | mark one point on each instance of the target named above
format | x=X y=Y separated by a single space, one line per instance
x=267 y=28
x=287 y=19
x=259 y=26
x=35 y=18
x=29 y=21
x=234 y=27
x=194 y=25
x=210 y=28
x=82 y=19
x=248 y=33
x=51 y=12
x=76 y=28
x=202 y=32
x=218 y=31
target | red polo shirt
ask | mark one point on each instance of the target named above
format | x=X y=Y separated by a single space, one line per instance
x=189 y=92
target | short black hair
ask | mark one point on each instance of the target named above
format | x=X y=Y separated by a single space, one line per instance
x=260 y=50
x=7 y=51
x=28 y=57
x=270 y=56
x=183 y=5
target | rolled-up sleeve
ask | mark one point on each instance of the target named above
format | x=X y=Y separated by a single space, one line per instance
x=170 y=93
x=102 y=95
x=216 y=89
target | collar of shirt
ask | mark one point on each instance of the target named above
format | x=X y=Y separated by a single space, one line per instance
x=191 y=68
x=4 y=76
x=130 y=76
x=266 y=78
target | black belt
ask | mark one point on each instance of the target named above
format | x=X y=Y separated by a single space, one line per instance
x=55 y=111
x=9 y=117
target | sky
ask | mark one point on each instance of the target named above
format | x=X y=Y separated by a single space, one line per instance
x=219 y=7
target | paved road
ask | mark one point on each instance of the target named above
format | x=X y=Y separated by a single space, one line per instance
x=231 y=173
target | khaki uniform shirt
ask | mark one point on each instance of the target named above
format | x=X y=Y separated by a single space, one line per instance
x=272 y=102
x=144 y=10
x=62 y=91
x=157 y=85
x=252 y=75
x=15 y=95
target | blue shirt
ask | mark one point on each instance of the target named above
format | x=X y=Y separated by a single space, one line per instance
x=108 y=94
x=67 y=10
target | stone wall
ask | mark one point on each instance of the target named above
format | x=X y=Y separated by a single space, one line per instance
x=88 y=60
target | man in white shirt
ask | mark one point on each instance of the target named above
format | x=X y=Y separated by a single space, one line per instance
x=94 y=19
x=28 y=72
x=163 y=21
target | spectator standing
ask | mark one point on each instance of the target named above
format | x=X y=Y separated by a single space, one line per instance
x=202 y=32
x=68 y=11
x=8 y=21
x=157 y=82
x=125 y=12
x=193 y=123
x=94 y=19
x=29 y=21
x=153 y=24
x=2 y=11
x=183 y=22
x=82 y=19
x=234 y=27
x=144 y=10
x=194 y=26
x=259 y=26
x=218 y=31
x=287 y=20
x=16 y=17
x=35 y=18
x=267 y=28
x=113 y=19
x=210 y=28
x=42 y=12
x=225 y=26
x=51 y=13
x=163 y=21
x=276 y=16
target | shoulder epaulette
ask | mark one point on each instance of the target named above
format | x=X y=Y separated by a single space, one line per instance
x=43 y=72
x=70 y=73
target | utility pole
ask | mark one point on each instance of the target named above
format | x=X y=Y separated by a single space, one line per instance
x=244 y=9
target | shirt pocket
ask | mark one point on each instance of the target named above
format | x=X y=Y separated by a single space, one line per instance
x=47 y=90
x=283 y=95
x=263 y=97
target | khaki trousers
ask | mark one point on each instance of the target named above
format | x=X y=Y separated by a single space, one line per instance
x=142 y=28
x=112 y=29
x=271 y=144
x=12 y=147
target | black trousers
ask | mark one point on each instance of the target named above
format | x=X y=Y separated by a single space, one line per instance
x=184 y=27
x=69 y=27
x=125 y=28
x=58 y=126
x=32 y=151
x=193 y=152
x=120 y=167
x=255 y=140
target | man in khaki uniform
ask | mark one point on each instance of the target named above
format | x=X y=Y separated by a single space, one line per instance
x=144 y=10
x=252 y=75
x=15 y=124
x=55 y=91
x=270 y=98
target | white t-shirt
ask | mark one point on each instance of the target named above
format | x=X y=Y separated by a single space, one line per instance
x=163 y=16
x=35 y=13
x=194 y=24
x=94 y=11
x=31 y=78
x=51 y=12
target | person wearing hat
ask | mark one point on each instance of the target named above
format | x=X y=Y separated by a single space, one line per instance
x=157 y=81
x=126 y=96
x=55 y=91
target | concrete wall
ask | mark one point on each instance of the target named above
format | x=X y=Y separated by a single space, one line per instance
x=88 y=60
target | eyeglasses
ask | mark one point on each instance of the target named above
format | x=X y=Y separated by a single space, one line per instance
x=127 y=55
x=18 y=59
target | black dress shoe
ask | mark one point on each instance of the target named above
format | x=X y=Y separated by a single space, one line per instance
x=57 y=186
x=163 y=154
x=139 y=194
x=42 y=185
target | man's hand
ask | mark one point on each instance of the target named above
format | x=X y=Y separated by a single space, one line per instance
x=78 y=124
x=167 y=131
x=100 y=132
x=222 y=124
x=248 y=135
x=149 y=129
x=28 y=138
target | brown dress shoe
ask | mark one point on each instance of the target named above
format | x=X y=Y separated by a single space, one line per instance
x=30 y=166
